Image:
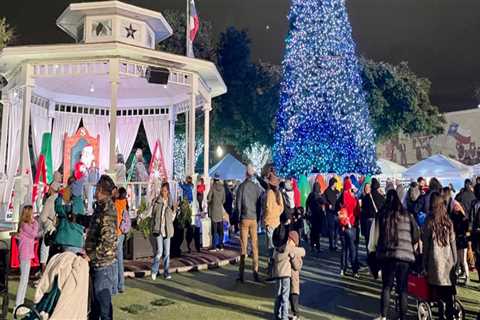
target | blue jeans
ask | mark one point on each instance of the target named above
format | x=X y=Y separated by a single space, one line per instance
x=103 y=283
x=333 y=228
x=282 y=300
x=120 y=267
x=349 y=249
x=23 y=285
x=163 y=249
x=270 y=248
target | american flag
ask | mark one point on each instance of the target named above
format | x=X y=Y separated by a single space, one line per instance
x=194 y=25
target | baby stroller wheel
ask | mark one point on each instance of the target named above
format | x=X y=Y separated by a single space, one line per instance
x=424 y=312
x=31 y=314
x=459 y=310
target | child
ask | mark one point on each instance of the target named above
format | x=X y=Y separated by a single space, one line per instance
x=297 y=263
x=28 y=231
x=283 y=258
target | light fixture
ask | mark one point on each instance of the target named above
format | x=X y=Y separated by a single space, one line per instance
x=92 y=87
x=219 y=152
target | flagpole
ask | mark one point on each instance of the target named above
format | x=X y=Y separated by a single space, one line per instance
x=187 y=30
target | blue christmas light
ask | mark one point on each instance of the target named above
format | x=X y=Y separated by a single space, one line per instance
x=323 y=119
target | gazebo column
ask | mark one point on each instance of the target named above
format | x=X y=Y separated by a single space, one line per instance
x=172 y=121
x=25 y=130
x=4 y=137
x=191 y=127
x=206 y=136
x=114 y=81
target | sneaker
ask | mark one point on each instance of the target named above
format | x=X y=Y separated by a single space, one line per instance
x=168 y=276
x=380 y=318
x=154 y=276
x=356 y=276
x=342 y=273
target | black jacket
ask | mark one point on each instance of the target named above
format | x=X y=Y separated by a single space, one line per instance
x=315 y=203
x=368 y=209
x=466 y=198
x=331 y=197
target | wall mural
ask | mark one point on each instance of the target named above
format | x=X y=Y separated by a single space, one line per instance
x=460 y=141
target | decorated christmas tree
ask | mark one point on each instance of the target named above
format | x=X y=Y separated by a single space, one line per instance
x=323 y=119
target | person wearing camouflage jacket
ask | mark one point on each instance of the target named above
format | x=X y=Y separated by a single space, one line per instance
x=101 y=246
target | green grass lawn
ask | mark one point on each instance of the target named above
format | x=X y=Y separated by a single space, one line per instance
x=215 y=294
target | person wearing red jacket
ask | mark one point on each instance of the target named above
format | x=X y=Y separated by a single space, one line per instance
x=200 y=193
x=349 y=213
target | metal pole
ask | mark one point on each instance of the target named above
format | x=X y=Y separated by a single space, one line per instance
x=187 y=31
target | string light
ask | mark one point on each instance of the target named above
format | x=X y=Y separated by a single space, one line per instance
x=323 y=119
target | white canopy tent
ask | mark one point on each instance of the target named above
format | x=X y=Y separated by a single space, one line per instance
x=229 y=168
x=447 y=170
x=101 y=80
x=390 y=169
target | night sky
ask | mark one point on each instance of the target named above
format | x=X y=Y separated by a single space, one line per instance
x=439 y=38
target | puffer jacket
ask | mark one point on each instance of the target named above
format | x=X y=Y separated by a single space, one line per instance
x=297 y=264
x=101 y=241
x=216 y=199
x=283 y=258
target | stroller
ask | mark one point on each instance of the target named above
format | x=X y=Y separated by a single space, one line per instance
x=419 y=289
x=45 y=306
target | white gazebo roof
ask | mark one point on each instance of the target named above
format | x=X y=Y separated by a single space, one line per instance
x=59 y=74
x=72 y=18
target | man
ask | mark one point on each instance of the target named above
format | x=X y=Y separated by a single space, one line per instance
x=216 y=200
x=101 y=246
x=331 y=197
x=248 y=196
x=422 y=185
x=466 y=197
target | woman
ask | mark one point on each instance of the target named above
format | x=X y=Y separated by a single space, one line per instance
x=348 y=228
x=121 y=205
x=398 y=233
x=372 y=202
x=273 y=209
x=316 y=214
x=440 y=254
x=411 y=199
x=27 y=232
x=162 y=230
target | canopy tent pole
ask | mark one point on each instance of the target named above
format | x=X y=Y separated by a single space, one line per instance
x=114 y=80
x=171 y=146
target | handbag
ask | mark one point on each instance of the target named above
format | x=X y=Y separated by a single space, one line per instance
x=418 y=287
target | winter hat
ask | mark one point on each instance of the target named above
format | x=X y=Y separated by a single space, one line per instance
x=293 y=235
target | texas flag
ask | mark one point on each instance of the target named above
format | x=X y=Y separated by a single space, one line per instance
x=194 y=25
x=461 y=135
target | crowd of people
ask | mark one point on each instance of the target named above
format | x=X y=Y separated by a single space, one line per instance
x=422 y=228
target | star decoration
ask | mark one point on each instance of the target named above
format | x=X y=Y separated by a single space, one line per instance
x=130 y=32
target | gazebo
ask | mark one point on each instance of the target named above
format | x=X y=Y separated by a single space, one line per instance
x=111 y=79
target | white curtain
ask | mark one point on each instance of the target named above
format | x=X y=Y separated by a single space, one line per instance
x=98 y=125
x=41 y=124
x=13 y=150
x=127 y=130
x=63 y=123
x=157 y=128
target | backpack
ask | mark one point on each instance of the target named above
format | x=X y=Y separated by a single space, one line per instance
x=126 y=223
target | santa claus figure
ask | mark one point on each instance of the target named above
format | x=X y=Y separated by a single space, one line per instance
x=81 y=175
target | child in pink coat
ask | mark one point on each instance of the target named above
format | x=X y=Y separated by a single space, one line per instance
x=28 y=231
